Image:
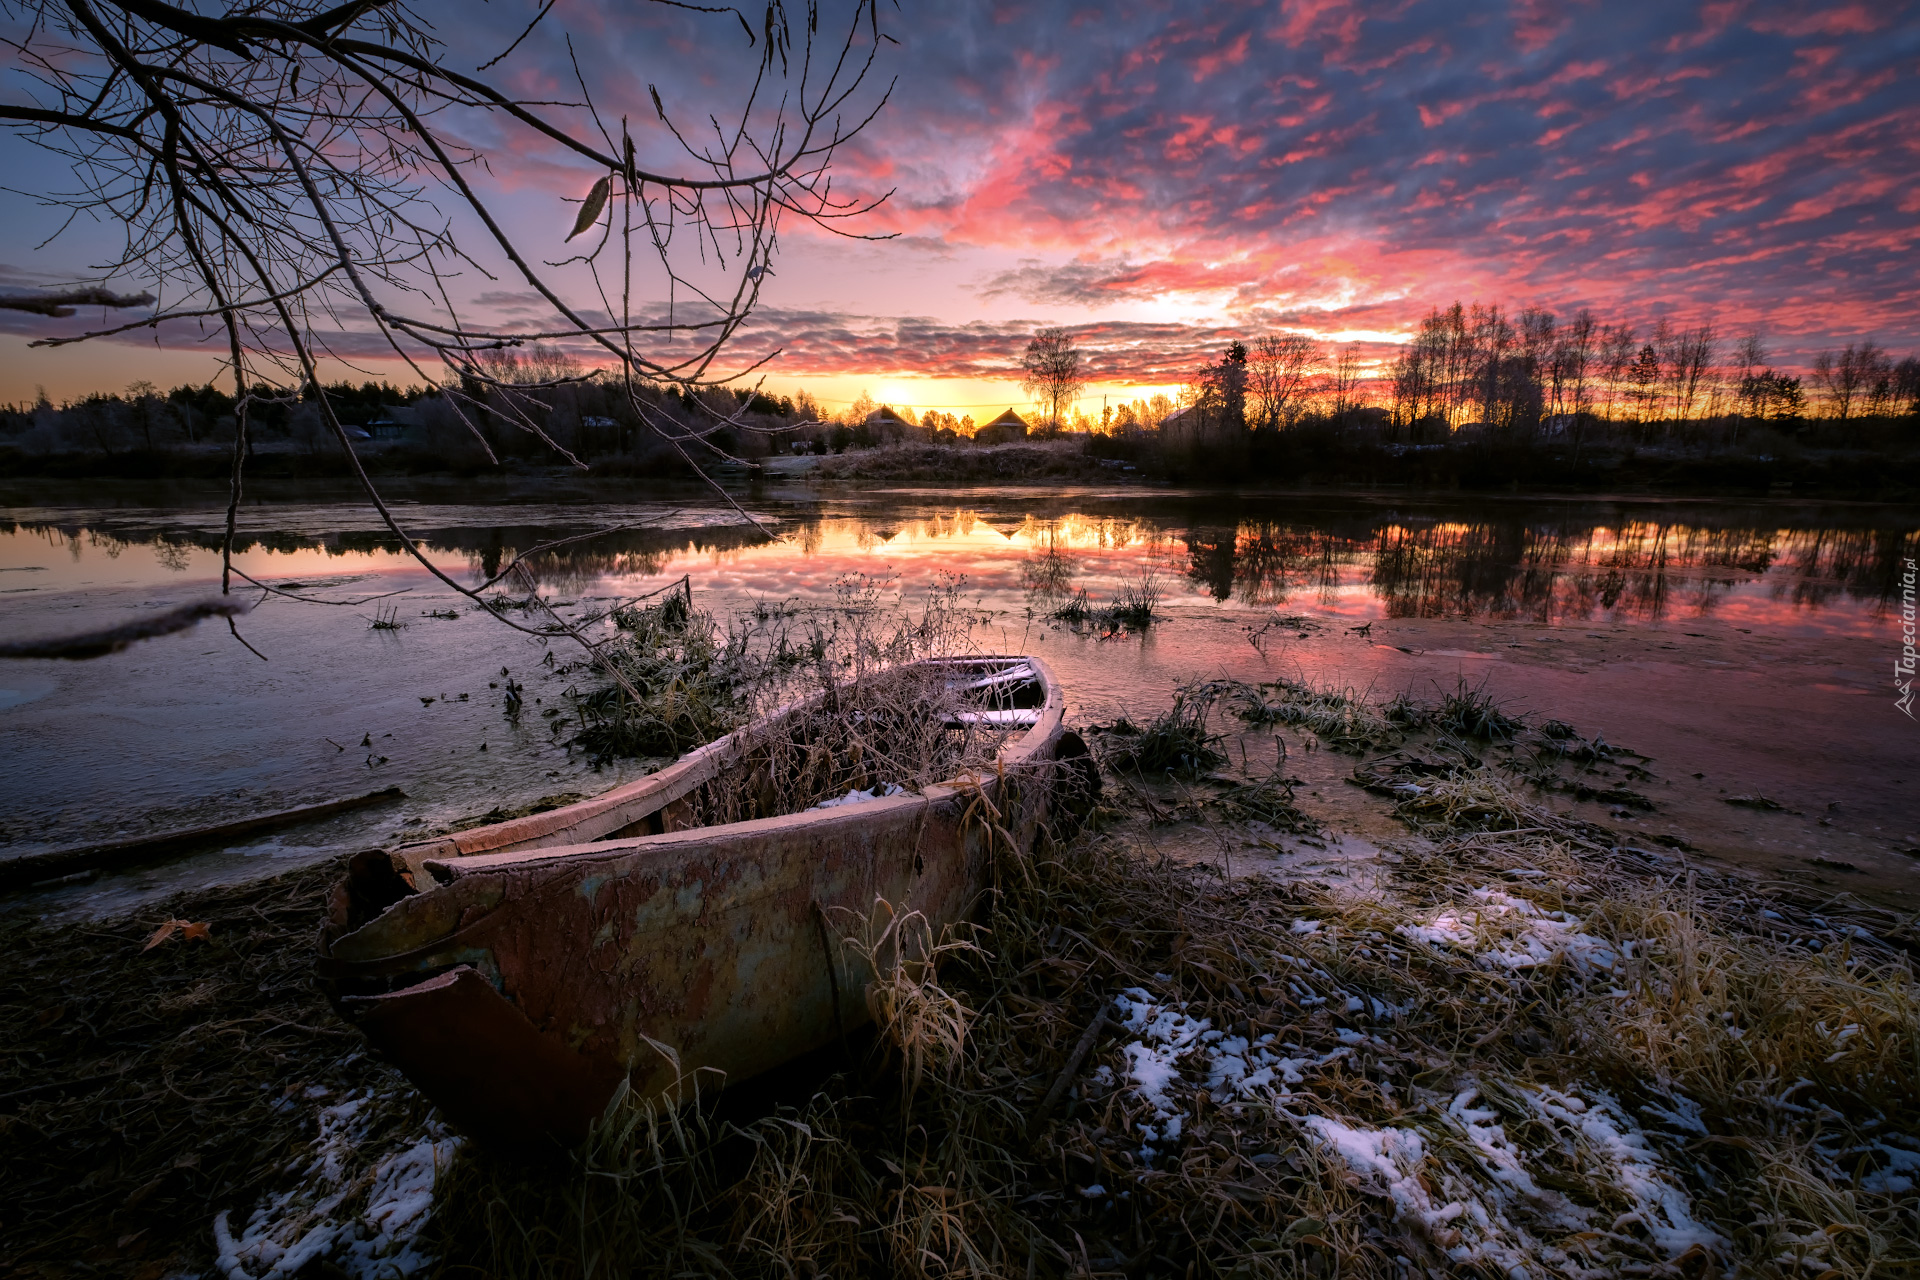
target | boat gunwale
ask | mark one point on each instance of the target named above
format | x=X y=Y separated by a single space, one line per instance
x=928 y=796
x=565 y=859
x=678 y=779
x=1015 y=755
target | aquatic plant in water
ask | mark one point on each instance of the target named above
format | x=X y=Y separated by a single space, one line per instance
x=1132 y=608
x=1179 y=740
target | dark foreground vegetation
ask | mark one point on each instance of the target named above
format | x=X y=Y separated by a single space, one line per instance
x=1429 y=437
x=189 y=432
x=1510 y=1044
x=1873 y=460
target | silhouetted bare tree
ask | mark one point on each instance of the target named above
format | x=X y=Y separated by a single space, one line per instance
x=1053 y=373
x=1343 y=383
x=1848 y=380
x=1906 y=387
x=1280 y=369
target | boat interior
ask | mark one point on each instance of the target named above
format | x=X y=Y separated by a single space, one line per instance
x=896 y=731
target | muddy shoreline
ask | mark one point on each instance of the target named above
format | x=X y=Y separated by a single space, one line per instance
x=1800 y=794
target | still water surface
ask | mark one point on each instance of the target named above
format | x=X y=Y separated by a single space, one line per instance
x=1754 y=639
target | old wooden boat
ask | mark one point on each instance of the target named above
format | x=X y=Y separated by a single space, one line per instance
x=517 y=973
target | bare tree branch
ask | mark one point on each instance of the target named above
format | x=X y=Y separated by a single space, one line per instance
x=294 y=170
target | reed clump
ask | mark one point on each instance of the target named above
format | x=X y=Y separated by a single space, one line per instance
x=681 y=682
x=1472 y=712
x=1180 y=740
x=1136 y=601
x=1133 y=607
x=1268 y=800
x=1345 y=718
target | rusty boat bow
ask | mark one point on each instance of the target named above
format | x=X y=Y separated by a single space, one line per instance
x=519 y=973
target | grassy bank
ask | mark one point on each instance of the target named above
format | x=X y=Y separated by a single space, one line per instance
x=144 y=1091
x=1882 y=473
x=1064 y=461
x=1505 y=1044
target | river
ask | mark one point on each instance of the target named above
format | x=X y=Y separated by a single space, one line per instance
x=1751 y=644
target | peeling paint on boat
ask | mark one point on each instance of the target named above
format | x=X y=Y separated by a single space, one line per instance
x=568 y=963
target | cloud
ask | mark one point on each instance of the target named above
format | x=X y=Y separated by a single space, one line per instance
x=1644 y=157
x=1172 y=175
x=26 y=277
x=1345 y=166
x=824 y=344
x=814 y=344
x=1079 y=283
x=507 y=301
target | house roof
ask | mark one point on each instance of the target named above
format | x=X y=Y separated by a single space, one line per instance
x=1008 y=419
x=886 y=413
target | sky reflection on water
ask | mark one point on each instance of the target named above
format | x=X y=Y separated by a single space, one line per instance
x=1774 y=569
x=1586 y=611
x=1630 y=572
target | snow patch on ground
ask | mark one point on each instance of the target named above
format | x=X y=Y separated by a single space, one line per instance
x=1491 y=1211
x=1455 y=1174
x=1883 y=1168
x=1164 y=1035
x=1506 y=932
x=317 y=1218
x=1600 y=1128
x=1233 y=1068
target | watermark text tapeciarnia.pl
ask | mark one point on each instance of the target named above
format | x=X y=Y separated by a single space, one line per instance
x=1903 y=666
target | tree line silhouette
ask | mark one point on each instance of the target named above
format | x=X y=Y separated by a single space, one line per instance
x=1483 y=370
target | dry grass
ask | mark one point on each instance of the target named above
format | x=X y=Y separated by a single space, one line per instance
x=897 y=730
x=1526 y=1048
x=1523 y=1048
x=1345 y=718
x=698 y=678
x=925 y=1025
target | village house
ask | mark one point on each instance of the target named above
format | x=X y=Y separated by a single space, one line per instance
x=1007 y=427
x=887 y=426
x=394 y=423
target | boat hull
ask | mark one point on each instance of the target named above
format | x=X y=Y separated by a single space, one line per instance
x=523 y=986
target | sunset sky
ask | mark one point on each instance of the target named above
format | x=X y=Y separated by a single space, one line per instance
x=1163 y=177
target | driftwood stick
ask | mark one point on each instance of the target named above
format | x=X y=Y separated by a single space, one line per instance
x=34 y=867
x=95 y=644
x=1072 y=1068
x=7 y=1100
